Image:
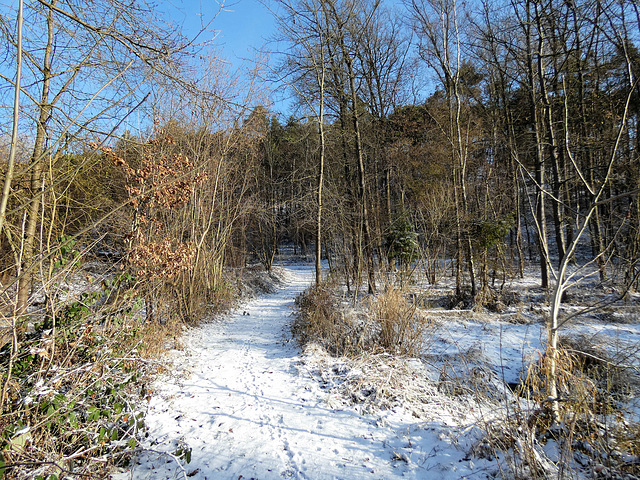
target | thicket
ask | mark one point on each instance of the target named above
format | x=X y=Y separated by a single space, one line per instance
x=114 y=281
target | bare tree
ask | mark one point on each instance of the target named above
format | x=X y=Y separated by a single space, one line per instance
x=436 y=22
x=301 y=25
x=74 y=89
x=385 y=68
x=80 y=68
x=345 y=22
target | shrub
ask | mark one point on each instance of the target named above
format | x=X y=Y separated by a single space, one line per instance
x=402 y=240
x=402 y=328
x=387 y=322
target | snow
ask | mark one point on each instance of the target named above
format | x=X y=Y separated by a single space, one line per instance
x=506 y=347
x=245 y=408
x=246 y=402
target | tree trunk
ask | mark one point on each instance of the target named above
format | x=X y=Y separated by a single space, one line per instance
x=547 y=119
x=320 y=182
x=25 y=280
x=14 y=131
x=541 y=221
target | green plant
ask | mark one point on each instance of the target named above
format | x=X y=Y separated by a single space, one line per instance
x=402 y=241
x=75 y=384
x=489 y=233
x=183 y=452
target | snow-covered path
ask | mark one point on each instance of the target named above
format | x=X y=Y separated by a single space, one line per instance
x=244 y=411
x=246 y=404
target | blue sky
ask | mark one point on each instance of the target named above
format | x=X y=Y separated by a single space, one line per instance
x=241 y=25
x=240 y=28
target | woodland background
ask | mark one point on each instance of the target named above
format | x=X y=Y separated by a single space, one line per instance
x=524 y=152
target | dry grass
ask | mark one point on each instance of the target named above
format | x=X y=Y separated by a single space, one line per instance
x=590 y=380
x=319 y=319
x=402 y=327
x=594 y=433
x=374 y=382
x=80 y=369
x=389 y=323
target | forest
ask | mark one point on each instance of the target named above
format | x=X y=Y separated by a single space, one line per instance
x=433 y=139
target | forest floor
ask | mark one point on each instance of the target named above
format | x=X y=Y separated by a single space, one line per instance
x=243 y=401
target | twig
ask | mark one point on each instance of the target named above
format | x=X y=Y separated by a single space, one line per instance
x=175 y=458
x=600 y=359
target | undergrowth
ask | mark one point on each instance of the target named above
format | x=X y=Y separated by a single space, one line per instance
x=72 y=377
x=595 y=433
x=389 y=323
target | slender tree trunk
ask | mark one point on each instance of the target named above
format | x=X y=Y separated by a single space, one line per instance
x=320 y=183
x=44 y=109
x=547 y=119
x=388 y=191
x=354 y=273
x=6 y=192
x=362 y=188
x=514 y=162
x=462 y=159
x=541 y=220
x=456 y=200
x=16 y=115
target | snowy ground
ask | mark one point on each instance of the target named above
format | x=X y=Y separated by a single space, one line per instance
x=247 y=407
x=248 y=404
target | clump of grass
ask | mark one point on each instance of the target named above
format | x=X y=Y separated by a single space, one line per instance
x=590 y=380
x=373 y=382
x=512 y=442
x=387 y=322
x=401 y=326
x=319 y=319
x=495 y=300
x=594 y=434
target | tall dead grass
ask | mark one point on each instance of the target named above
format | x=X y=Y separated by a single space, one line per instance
x=79 y=369
x=597 y=435
x=402 y=327
x=319 y=319
x=387 y=322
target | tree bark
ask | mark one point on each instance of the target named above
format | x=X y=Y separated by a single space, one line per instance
x=541 y=219
x=25 y=280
